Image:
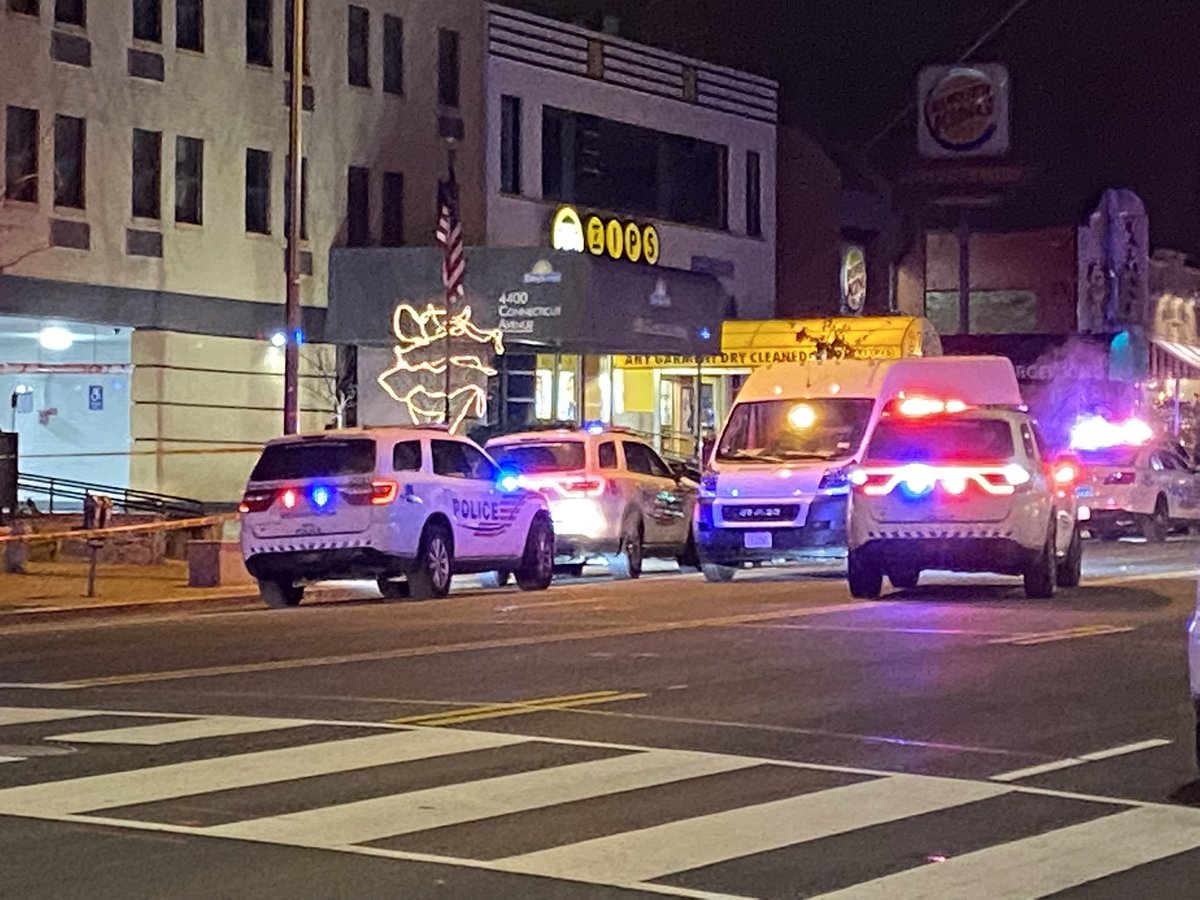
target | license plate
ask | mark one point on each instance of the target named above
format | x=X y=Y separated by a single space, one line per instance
x=757 y=540
x=1084 y=490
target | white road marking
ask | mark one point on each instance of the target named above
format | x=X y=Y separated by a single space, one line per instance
x=1046 y=863
x=21 y=715
x=380 y=817
x=1124 y=749
x=4 y=759
x=1031 y=639
x=173 y=732
x=632 y=857
x=78 y=795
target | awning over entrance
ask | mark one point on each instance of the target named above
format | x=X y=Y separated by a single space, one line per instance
x=567 y=302
x=1171 y=359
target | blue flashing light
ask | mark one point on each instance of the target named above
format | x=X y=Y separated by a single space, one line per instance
x=508 y=481
x=705 y=334
x=594 y=427
x=321 y=496
x=298 y=336
x=917 y=480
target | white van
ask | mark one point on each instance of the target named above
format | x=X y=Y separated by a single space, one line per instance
x=776 y=486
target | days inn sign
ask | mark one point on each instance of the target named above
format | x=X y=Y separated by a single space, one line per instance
x=615 y=238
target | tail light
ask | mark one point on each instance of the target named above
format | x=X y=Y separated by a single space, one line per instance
x=583 y=487
x=918 y=480
x=1121 y=478
x=256 y=501
x=378 y=493
x=873 y=484
x=1066 y=473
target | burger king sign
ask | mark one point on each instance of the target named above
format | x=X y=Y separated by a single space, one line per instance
x=962 y=111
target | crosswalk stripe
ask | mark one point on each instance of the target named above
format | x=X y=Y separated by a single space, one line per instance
x=185 y=730
x=1042 y=865
x=77 y=795
x=632 y=857
x=4 y=759
x=20 y=715
x=381 y=817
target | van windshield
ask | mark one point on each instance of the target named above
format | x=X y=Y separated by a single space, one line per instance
x=320 y=458
x=782 y=430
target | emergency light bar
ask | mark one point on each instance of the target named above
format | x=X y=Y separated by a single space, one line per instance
x=1097 y=433
x=915 y=407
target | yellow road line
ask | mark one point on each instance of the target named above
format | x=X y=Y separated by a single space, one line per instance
x=541 y=701
x=518 y=709
x=1066 y=634
x=461 y=647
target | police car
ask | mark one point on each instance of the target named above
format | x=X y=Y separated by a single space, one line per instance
x=1132 y=484
x=408 y=507
x=611 y=495
x=944 y=485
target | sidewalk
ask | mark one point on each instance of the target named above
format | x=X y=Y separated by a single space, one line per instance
x=60 y=587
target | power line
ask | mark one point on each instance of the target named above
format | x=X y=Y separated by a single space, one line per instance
x=962 y=58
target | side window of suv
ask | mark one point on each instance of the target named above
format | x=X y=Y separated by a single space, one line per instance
x=637 y=458
x=406 y=456
x=658 y=468
x=480 y=468
x=608 y=455
x=455 y=459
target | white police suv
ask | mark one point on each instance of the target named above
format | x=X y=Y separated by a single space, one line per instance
x=943 y=485
x=409 y=507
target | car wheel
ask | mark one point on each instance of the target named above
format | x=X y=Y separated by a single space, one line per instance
x=689 y=559
x=393 y=589
x=865 y=576
x=433 y=568
x=537 y=565
x=1070 y=567
x=904 y=577
x=280 y=593
x=628 y=562
x=1041 y=571
x=494 y=579
x=1156 y=525
x=718 y=574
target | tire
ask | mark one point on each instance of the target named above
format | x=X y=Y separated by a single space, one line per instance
x=689 y=559
x=904 y=578
x=494 y=579
x=628 y=562
x=280 y=594
x=1041 y=572
x=537 y=564
x=1156 y=525
x=865 y=576
x=393 y=590
x=433 y=569
x=1070 y=567
x=718 y=574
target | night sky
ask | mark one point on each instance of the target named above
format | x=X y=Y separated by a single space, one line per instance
x=1106 y=93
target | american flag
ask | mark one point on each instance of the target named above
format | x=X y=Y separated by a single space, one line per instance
x=449 y=238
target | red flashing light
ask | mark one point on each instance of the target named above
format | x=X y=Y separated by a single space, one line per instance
x=289 y=498
x=914 y=407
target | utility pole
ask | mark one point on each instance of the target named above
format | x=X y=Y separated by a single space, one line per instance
x=291 y=359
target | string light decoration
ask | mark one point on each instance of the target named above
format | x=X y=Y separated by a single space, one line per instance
x=416 y=330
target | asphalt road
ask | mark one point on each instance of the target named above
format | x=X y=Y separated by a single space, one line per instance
x=766 y=738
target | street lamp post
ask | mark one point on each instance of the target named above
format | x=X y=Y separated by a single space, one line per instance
x=291 y=359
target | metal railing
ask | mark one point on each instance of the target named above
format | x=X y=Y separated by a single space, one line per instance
x=69 y=495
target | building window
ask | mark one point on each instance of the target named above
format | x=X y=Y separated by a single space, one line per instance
x=393 y=54
x=358 y=44
x=70 y=12
x=358 y=207
x=25 y=7
x=21 y=155
x=147 y=173
x=287 y=35
x=70 y=151
x=258 y=32
x=189 y=25
x=287 y=200
x=393 y=210
x=258 y=191
x=147 y=20
x=510 y=144
x=448 y=68
x=189 y=180
x=753 y=195
x=599 y=162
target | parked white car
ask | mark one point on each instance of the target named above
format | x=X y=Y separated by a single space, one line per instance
x=408 y=507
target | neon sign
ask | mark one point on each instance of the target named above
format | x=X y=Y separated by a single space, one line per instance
x=416 y=330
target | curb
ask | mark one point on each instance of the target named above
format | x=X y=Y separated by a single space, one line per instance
x=183 y=604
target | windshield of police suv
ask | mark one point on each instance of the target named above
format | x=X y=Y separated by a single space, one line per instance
x=941 y=440
x=556 y=456
x=320 y=458
x=783 y=430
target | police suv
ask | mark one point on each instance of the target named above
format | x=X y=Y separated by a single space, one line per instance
x=947 y=485
x=408 y=507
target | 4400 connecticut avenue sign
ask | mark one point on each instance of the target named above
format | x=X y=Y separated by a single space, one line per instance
x=615 y=238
